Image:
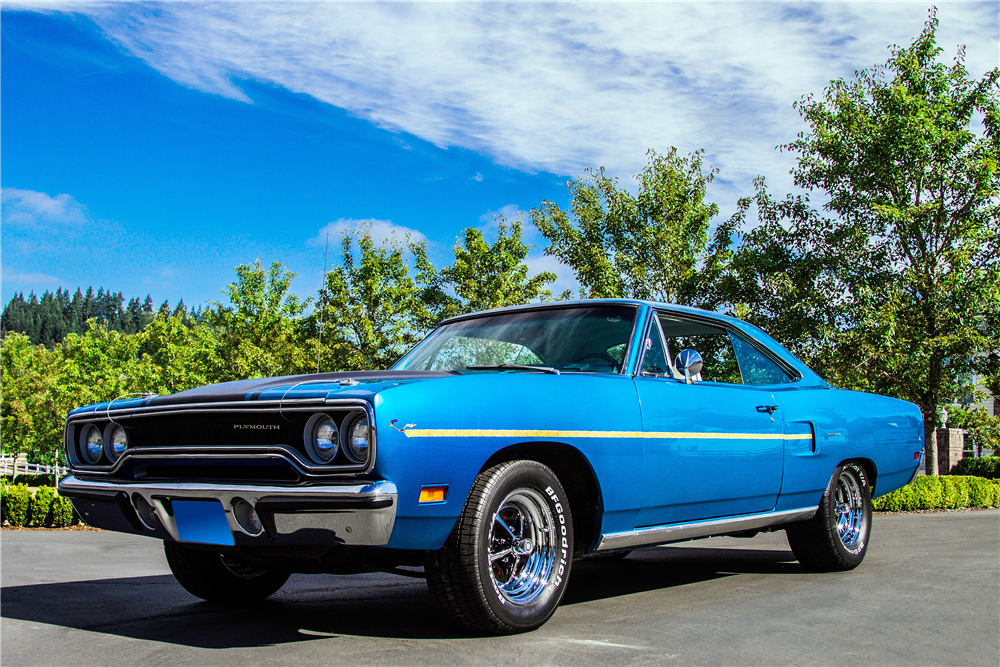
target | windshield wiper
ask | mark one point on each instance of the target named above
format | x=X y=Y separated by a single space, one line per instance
x=514 y=367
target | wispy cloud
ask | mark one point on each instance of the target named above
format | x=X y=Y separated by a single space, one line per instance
x=27 y=208
x=30 y=280
x=381 y=230
x=556 y=87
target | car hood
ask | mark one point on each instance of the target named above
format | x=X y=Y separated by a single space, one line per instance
x=318 y=386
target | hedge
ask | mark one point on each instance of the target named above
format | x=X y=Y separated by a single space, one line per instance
x=16 y=503
x=942 y=492
x=987 y=466
x=45 y=508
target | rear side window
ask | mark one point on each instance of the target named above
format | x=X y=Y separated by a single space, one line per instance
x=755 y=366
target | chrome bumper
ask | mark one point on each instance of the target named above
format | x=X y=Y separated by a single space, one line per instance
x=358 y=514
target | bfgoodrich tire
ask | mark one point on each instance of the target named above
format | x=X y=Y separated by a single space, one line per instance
x=836 y=539
x=219 y=578
x=505 y=566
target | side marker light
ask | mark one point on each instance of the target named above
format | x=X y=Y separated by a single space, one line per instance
x=434 y=494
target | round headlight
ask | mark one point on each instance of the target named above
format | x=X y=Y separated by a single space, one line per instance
x=358 y=437
x=321 y=438
x=117 y=441
x=91 y=444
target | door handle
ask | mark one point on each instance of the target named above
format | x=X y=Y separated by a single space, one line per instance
x=769 y=409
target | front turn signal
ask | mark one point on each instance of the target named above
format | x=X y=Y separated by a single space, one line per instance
x=434 y=494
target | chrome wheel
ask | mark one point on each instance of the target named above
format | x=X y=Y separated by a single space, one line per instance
x=522 y=546
x=849 y=510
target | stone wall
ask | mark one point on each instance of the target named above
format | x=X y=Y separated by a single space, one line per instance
x=950 y=446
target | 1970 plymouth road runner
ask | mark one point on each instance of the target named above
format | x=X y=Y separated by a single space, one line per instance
x=502 y=447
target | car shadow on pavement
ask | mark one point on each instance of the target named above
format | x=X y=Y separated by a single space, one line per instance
x=669 y=567
x=313 y=607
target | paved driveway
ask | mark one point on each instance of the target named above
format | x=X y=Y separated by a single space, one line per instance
x=928 y=593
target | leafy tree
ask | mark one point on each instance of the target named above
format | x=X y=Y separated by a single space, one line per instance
x=900 y=290
x=652 y=245
x=488 y=275
x=371 y=308
x=261 y=332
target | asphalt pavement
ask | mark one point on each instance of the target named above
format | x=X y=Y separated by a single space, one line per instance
x=928 y=593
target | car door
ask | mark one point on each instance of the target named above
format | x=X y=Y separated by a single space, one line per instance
x=712 y=448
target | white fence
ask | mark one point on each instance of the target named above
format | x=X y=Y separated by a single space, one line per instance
x=11 y=466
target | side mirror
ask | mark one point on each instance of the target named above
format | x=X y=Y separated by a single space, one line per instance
x=690 y=362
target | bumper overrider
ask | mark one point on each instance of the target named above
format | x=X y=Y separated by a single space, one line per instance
x=360 y=514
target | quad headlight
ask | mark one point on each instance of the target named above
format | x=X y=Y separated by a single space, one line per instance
x=116 y=441
x=91 y=444
x=358 y=438
x=322 y=439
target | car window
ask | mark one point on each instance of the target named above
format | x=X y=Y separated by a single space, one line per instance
x=462 y=351
x=654 y=361
x=755 y=366
x=712 y=343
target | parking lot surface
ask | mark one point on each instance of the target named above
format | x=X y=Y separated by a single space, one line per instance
x=927 y=593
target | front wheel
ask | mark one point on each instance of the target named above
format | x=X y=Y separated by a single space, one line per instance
x=836 y=539
x=505 y=566
x=220 y=578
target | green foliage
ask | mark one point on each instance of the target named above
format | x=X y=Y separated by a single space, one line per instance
x=260 y=333
x=652 y=245
x=41 y=506
x=494 y=275
x=987 y=467
x=899 y=293
x=16 y=503
x=63 y=514
x=371 y=307
x=983 y=428
x=943 y=492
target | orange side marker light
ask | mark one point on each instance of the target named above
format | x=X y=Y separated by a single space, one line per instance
x=434 y=494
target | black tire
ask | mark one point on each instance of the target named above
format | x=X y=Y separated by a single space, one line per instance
x=836 y=539
x=517 y=513
x=219 y=578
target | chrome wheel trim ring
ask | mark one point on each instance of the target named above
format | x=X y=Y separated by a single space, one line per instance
x=849 y=508
x=522 y=546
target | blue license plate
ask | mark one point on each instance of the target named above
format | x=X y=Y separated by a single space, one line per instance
x=202 y=521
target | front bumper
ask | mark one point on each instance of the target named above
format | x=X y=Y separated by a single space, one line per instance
x=361 y=514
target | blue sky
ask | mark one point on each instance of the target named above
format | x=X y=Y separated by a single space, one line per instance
x=151 y=148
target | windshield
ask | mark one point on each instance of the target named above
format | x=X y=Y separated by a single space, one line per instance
x=582 y=339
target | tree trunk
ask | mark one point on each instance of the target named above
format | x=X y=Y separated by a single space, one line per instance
x=930 y=442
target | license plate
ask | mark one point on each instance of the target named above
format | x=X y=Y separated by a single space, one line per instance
x=202 y=521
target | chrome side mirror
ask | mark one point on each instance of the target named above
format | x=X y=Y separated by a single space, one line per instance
x=690 y=362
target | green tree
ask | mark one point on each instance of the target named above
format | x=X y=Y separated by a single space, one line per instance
x=652 y=245
x=492 y=275
x=261 y=332
x=371 y=309
x=900 y=290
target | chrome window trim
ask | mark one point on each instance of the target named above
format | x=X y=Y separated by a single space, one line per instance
x=306 y=467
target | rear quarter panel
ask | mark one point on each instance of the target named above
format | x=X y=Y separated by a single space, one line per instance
x=526 y=402
x=846 y=425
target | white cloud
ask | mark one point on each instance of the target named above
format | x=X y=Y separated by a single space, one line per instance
x=565 y=278
x=551 y=86
x=28 y=279
x=381 y=230
x=27 y=208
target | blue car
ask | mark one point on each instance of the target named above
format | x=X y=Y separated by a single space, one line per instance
x=504 y=446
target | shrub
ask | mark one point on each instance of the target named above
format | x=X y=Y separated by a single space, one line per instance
x=988 y=467
x=41 y=506
x=16 y=502
x=62 y=512
x=944 y=492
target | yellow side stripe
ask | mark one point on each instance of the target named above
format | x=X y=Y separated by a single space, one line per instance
x=515 y=433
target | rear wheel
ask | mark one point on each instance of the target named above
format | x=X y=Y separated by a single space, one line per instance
x=505 y=566
x=218 y=577
x=836 y=539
